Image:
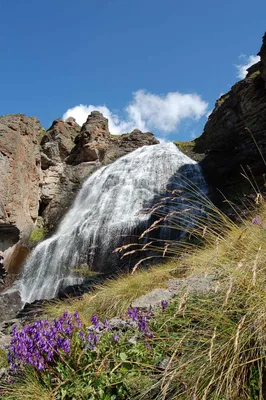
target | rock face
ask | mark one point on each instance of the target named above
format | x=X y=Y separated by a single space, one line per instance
x=58 y=141
x=20 y=176
x=66 y=168
x=41 y=171
x=96 y=144
x=226 y=144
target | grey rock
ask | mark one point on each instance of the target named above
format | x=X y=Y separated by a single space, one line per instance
x=10 y=304
x=3 y=373
x=152 y=299
x=197 y=283
x=122 y=324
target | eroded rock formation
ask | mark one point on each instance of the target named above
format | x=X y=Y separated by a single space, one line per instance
x=41 y=171
x=20 y=176
x=72 y=153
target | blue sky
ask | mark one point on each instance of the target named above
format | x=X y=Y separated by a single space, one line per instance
x=151 y=63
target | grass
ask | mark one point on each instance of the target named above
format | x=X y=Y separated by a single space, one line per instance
x=27 y=388
x=213 y=344
x=3 y=359
x=122 y=291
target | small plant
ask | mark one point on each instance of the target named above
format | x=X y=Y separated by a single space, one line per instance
x=37 y=234
x=76 y=361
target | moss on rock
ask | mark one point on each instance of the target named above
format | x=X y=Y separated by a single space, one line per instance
x=37 y=234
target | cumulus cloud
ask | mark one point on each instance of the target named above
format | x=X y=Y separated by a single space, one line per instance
x=147 y=111
x=248 y=61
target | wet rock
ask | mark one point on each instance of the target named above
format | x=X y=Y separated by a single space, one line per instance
x=10 y=304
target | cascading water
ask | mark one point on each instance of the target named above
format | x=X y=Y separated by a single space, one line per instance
x=107 y=207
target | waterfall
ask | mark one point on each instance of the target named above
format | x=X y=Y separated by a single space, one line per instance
x=107 y=207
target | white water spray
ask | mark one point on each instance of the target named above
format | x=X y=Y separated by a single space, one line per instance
x=107 y=206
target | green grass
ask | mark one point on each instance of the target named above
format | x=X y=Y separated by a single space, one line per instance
x=122 y=291
x=213 y=343
x=3 y=359
x=185 y=145
x=37 y=235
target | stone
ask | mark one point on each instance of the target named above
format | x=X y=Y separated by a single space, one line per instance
x=94 y=147
x=10 y=304
x=15 y=257
x=197 y=283
x=152 y=299
x=262 y=54
x=124 y=144
x=60 y=186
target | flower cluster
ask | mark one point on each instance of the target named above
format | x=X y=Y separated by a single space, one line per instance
x=39 y=343
x=44 y=342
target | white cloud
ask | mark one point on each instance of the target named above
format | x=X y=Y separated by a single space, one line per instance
x=248 y=61
x=147 y=111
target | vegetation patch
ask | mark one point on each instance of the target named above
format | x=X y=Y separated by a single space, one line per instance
x=202 y=345
x=37 y=234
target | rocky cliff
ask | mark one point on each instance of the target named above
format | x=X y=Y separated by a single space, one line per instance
x=226 y=145
x=41 y=171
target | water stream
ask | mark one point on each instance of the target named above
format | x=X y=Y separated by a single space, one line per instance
x=107 y=207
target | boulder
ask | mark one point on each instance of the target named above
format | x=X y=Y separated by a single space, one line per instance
x=10 y=304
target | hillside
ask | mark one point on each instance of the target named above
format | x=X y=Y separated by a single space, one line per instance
x=191 y=326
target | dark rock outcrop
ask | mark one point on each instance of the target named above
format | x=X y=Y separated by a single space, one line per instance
x=226 y=145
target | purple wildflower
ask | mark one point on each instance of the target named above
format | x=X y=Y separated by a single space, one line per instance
x=164 y=304
x=115 y=337
x=133 y=313
x=39 y=344
x=256 y=220
x=95 y=321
